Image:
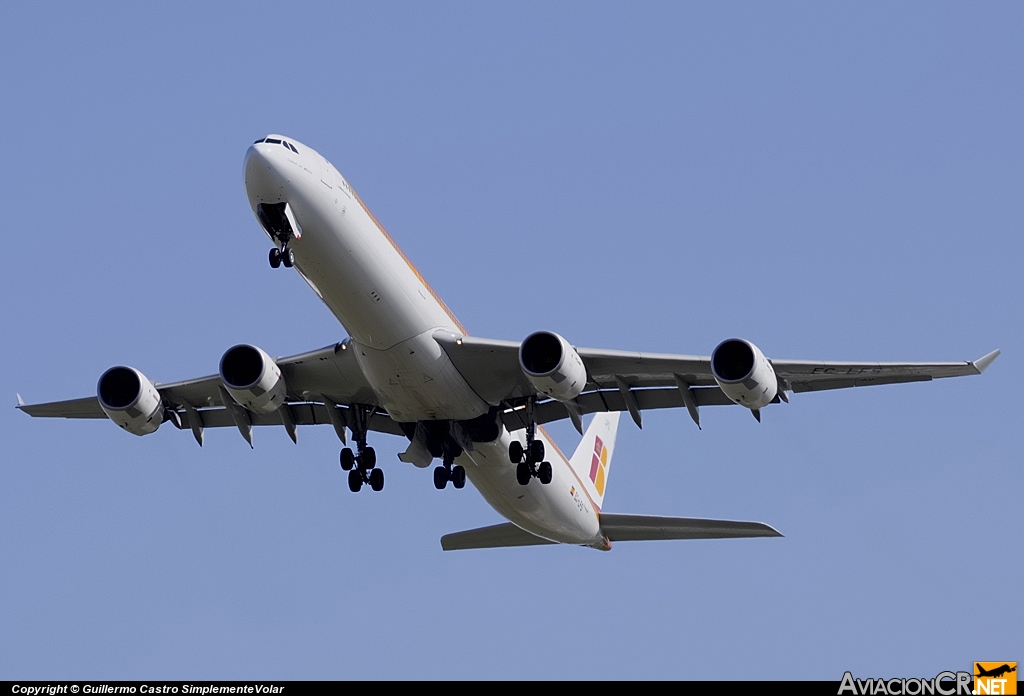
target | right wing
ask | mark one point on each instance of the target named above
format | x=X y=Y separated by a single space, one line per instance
x=633 y=381
x=322 y=384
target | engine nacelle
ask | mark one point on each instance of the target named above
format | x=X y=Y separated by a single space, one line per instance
x=253 y=378
x=130 y=400
x=744 y=374
x=552 y=365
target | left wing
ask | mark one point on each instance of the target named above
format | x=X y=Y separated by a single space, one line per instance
x=634 y=382
x=322 y=385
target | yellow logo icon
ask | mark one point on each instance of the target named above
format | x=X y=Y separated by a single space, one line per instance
x=995 y=678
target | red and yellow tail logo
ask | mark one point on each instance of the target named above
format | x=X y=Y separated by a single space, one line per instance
x=599 y=466
x=995 y=678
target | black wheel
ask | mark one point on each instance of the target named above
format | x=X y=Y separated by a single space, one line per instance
x=275 y=258
x=368 y=458
x=348 y=460
x=459 y=477
x=440 y=478
x=288 y=257
x=355 y=480
x=523 y=473
x=377 y=480
x=544 y=472
x=515 y=451
x=537 y=451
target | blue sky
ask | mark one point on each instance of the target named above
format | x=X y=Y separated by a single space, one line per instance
x=831 y=182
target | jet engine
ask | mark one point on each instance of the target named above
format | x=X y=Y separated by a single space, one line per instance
x=744 y=374
x=552 y=365
x=253 y=378
x=130 y=400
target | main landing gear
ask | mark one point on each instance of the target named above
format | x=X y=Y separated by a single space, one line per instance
x=449 y=471
x=529 y=460
x=284 y=255
x=361 y=465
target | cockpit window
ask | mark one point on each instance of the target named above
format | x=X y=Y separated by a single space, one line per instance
x=276 y=141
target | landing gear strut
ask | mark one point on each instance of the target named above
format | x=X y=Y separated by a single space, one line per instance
x=529 y=460
x=449 y=471
x=361 y=465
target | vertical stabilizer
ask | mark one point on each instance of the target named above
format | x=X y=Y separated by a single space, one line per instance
x=593 y=458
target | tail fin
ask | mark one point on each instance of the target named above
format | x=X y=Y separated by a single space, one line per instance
x=593 y=458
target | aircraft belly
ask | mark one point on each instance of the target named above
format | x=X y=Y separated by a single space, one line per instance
x=416 y=380
x=553 y=511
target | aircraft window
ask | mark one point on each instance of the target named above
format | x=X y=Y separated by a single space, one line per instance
x=272 y=141
x=294 y=149
x=285 y=143
x=258 y=141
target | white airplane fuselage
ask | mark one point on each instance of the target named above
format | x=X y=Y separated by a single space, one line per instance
x=391 y=315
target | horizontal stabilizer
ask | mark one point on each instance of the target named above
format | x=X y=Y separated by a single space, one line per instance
x=491 y=538
x=650 y=527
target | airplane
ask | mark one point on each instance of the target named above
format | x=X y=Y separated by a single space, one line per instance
x=409 y=368
x=995 y=672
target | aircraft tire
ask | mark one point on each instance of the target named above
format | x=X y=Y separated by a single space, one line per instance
x=544 y=472
x=288 y=257
x=348 y=460
x=459 y=477
x=515 y=451
x=537 y=451
x=523 y=474
x=275 y=258
x=368 y=458
x=440 y=478
x=355 y=480
x=377 y=480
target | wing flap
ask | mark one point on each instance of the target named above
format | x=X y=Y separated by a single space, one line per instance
x=496 y=536
x=302 y=414
x=619 y=527
x=611 y=400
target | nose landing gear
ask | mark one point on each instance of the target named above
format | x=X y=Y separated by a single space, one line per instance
x=280 y=223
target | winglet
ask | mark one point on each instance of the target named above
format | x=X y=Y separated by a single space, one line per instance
x=21 y=402
x=981 y=364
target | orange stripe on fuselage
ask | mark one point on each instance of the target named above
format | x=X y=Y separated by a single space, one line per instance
x=597 y=508
x=409 y=263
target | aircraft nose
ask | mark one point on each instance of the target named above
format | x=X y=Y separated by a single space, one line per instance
x=262 y=171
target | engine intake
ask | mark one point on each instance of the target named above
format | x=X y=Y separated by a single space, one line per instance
x=130 y=400
x=253 y=379
x=744 y=374
x=553 y=366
